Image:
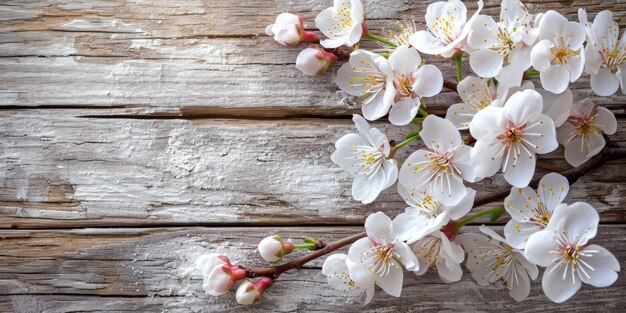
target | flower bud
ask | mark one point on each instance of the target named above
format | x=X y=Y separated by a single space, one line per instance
x=219 y=274
x=314 y=60
x=289 y=30
x=272 y=248
x=249 y=292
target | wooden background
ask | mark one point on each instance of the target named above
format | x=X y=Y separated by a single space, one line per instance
x=137 y=135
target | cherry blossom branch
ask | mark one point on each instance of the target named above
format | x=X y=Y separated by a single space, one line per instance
x=572 y=176
x=450 y=85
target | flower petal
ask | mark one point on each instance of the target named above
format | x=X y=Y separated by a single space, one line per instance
x=464 y=206
x=392 y=282
x=518 y=233
x=486 y=62
x=425 y=42
x=552 y=190
x=407 y=257
x=538 y=247
x=378 y=228
x=405 y=60
x=540 y=56
x=366 y=189
x=555 y=287
x=519 y=166
x=604 y=264
x=579 y=221
x=428 y=81
x=606 y=121
x=604 y=83
x=557 y=107
x=486 y=158
x=488 y=124
x=403 y=112
x=440 y=134
x=555 y=79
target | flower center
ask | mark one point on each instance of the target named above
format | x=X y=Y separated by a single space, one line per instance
x=344 y=16
x=368 y=160
x=541 y=216
x=405 y=31
x=379 y=259
x=560 y=55
x=513 y=134
x=585 y=127
x=569 y=258
x=444 y=27
x=429 y=248
x=404 y=84
x=430 y=206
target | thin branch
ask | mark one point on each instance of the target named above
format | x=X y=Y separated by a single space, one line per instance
x=275 y=271
x=572 y=176
x=450 y=85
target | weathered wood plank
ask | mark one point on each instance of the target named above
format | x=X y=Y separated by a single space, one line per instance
x=173 y=58
x=64 y=270
x=59 y=170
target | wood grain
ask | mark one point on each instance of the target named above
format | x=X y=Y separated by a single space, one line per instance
x=152 y=270
x=62 y=170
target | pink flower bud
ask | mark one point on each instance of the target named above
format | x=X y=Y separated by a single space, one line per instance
x=219 y=274
x=314 y=60
x=272 y=248
x=249 y=292
x=289 y=30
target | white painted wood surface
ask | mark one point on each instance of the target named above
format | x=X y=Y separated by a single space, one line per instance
x=139 y=134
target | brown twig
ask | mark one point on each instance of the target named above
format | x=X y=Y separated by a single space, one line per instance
x=450 y=85
x=572 y=176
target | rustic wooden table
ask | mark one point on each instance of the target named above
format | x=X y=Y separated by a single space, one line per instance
x=137 y=135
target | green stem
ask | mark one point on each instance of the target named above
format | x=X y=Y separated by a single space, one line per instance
x=497 y=211
x=404 y=143
x=380 y=39
x=531 y=73
x=308 y=246
x=459 y=70
x=423 y=111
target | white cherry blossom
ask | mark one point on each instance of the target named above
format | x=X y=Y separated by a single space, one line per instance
x=366 y=156
x=443 y=166
x=605 y=54
x=436 y=250
x=502 y=46
x=377 y=257
x=426 y=214
x=343 y=23
x=564 y=248
x=336 y=271
x=582 y=135
x=476 y=94
x=558 y=54
x=508 y=138
x=395 y=86
x=492 y=259
x=288 y=30
x=447 y=28
x=531 y=211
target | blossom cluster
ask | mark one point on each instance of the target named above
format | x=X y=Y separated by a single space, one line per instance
x=502 y=123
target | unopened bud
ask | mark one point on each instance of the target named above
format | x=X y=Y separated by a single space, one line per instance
x=249 y=292
x=314 y=60
x=219 y=274
x=288 y=30
x=272 y=248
